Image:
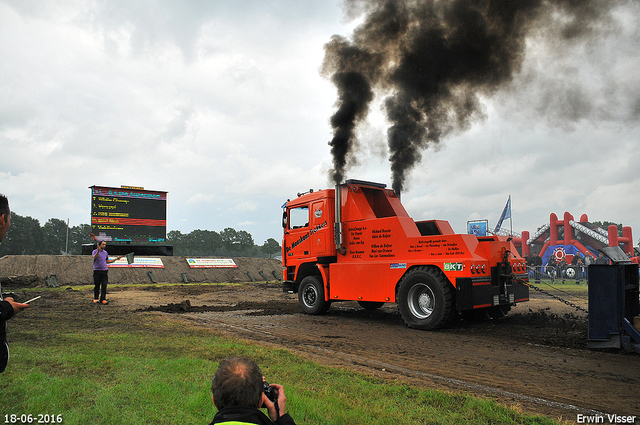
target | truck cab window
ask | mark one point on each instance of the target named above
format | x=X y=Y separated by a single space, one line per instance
x=299 y=217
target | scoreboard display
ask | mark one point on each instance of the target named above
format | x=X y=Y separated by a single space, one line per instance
x=128 y=214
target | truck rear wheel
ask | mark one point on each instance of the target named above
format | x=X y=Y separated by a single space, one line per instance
x=311 y=296
x=425 y=298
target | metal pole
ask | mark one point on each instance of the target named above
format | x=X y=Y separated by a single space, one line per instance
x=338 y=220
x=66 y=247
x=510 y=215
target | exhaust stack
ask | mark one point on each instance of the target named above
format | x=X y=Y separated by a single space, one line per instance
x=338 y=220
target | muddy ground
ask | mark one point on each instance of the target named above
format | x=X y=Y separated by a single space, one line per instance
x=535 y=359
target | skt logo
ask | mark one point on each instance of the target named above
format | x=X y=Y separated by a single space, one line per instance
x=453 y=267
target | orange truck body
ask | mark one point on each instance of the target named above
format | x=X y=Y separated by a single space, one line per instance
x=366 y=248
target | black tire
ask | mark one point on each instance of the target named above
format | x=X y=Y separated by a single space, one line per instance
x=570 y=273
x=311 y=296
x=371 y=305
x=425 y=298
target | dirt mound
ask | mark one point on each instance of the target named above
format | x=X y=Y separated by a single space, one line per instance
x=37 y=270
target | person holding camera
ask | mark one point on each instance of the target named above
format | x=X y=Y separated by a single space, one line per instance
x=239 y=390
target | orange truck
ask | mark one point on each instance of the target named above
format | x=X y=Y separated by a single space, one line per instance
x=357 y=243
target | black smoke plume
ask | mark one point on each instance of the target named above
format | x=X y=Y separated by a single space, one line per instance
x=433 y=61
x=353 y=71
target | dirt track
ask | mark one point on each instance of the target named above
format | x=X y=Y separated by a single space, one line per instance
x=535 y=359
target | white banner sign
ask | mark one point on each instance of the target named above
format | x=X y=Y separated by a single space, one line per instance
x=211 y=263
x=139 y=262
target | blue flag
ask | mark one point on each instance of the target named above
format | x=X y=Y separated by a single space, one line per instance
x=506 y=213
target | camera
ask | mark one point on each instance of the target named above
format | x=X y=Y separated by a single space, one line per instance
x=270 y=392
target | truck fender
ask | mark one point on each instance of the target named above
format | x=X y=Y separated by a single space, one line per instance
x=324 y=272
x=304 y=270
x=409 y=270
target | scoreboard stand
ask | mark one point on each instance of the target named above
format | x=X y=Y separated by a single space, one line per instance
x=129 y=219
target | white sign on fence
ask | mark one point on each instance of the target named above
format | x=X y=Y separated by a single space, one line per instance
x=139 y=262
x=211 y=263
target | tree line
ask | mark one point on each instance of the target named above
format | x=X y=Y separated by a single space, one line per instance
x=27 y=237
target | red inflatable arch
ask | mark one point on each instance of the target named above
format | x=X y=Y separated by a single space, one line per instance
x=581 y=235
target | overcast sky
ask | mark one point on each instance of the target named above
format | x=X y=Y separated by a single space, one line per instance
x=222 y=105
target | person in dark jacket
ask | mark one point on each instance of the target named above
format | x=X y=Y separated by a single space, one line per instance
x=8 y=307
x=576 y=263
x=537 y=266
x=551 y=268
x=237 y=391
x=588 y=260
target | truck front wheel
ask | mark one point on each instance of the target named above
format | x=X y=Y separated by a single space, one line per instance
x=425 y=298
x=311 y=296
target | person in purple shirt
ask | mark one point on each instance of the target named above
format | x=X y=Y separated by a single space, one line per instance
x=100 y=270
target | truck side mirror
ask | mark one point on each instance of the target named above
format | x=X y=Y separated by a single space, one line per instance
x=284 y=219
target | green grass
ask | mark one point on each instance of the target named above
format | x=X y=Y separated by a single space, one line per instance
x=144 y=369
x=568 y=286
x=567 y=290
